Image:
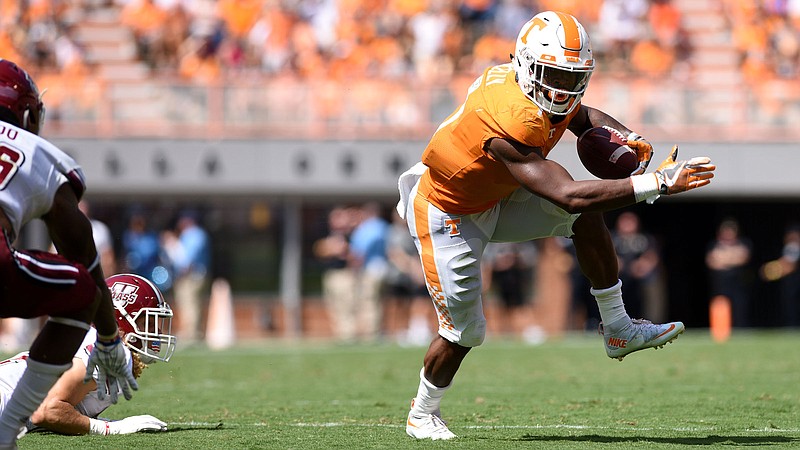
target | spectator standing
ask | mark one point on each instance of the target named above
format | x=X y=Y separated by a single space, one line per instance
x=189 y=251
x=368 y=258
x=338 y=280
x=585 y=315
x=784 y=270
x=639 y=262
x=102 y=240
x=142 y=251
x=405 y=285
x=727 y=260
x=509 y=270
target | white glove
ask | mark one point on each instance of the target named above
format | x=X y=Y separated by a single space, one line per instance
x=113 y=371
x=680 y=176
x=128 y=425
x=673 y=177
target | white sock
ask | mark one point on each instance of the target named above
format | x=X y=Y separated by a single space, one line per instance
x=31 y=390
x=612 y=310
x=428 y=396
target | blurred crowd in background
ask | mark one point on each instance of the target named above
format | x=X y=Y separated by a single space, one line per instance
x=372 y=284
x=427 y=39
x=366 y=47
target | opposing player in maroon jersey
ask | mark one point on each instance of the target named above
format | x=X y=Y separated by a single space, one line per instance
x=38 y=180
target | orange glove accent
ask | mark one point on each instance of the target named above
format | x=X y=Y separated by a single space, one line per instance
x=680 y=176
x=644 y=152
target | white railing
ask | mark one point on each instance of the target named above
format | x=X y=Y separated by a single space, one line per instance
x=376 y=109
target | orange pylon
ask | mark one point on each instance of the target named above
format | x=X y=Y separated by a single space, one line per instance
x=720 y=318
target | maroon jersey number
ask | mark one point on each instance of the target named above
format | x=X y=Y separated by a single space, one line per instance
x=10 y=160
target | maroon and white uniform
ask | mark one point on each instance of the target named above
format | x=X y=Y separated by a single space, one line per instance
x=11 y=370
x=31 y=171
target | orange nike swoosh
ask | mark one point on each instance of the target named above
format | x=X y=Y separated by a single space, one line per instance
x=408 y=421
x=671 y=327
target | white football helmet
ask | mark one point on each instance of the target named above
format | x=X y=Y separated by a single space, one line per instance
x=553 y=61
x=143 y=316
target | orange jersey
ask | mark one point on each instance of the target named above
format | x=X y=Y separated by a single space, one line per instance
x=462 y=178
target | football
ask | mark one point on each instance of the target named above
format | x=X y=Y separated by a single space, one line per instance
x=604 y=153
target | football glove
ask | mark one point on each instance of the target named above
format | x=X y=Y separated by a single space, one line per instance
x=680 y=176
x=113 y=371
x=643 y=149
x=128 y=425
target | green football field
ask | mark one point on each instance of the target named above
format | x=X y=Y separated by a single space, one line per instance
x=563 y=394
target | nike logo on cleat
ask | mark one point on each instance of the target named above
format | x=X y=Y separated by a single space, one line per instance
x=671 y=327
x=617 y=342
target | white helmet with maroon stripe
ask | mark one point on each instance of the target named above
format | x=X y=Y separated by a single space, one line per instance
x=553 y=61
x=143 y=316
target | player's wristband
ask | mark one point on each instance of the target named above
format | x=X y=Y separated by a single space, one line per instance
x=109 y=340
x=644 y=186
x=99 y=427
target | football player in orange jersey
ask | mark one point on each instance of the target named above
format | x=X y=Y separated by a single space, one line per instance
x=485 y=177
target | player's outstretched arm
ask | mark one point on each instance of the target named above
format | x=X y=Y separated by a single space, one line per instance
x=58 y=414
x=551 y=181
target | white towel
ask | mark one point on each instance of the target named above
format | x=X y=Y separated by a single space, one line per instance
x=406 y=183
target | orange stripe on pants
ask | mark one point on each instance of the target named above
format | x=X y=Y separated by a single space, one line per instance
x=429 y=262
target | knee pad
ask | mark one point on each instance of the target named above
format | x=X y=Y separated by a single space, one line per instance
x=474 y=334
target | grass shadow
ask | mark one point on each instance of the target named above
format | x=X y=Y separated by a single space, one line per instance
x=194 y=427
x=700 y=440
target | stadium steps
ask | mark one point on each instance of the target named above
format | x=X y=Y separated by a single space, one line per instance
x=124 y=71
x=111 y=49
x=715 y=64
x=105 y=42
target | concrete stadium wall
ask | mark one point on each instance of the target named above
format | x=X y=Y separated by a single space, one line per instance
x=335 y=169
